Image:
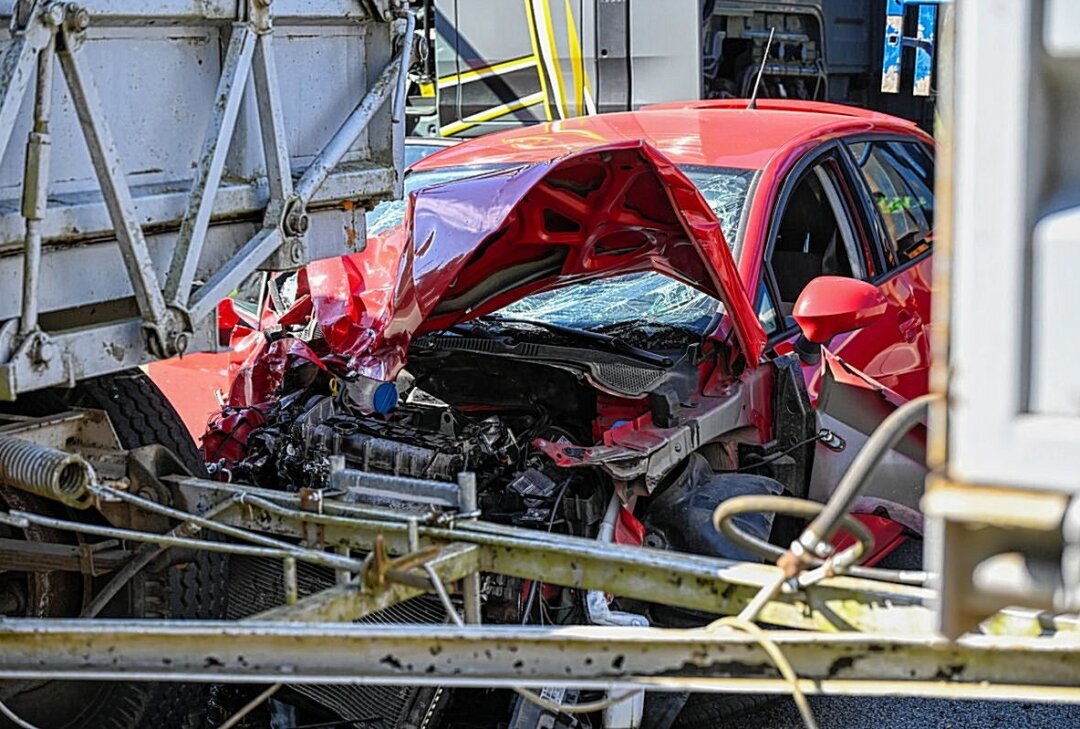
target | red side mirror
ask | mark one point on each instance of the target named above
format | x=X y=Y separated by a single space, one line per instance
x=831 y=305
x=228 y=319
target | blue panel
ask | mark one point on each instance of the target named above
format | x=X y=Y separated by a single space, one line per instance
x=890 y=64
x=924 y=50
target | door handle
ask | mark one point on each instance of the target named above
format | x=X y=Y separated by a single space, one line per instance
x=909 y=325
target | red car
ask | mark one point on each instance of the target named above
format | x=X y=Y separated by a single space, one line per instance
x=801 y=189
x=616 y=322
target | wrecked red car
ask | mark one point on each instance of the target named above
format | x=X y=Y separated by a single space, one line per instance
x=616 y=323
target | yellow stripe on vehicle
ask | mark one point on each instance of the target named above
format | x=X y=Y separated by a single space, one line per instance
x=549 y=51
x=497 y=69
x=576 y=62
x=535 y=40
x=491 y=114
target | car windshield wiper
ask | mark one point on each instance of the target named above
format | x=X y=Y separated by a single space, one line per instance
x=613 y=343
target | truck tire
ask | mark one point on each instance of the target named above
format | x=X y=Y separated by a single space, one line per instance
x=192 y=587
x=708 y=711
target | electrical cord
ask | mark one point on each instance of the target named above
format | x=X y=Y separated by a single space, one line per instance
x=546 y=704
x=15 y=718
x=783 y=665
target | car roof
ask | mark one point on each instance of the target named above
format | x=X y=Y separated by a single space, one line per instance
x=715 y=133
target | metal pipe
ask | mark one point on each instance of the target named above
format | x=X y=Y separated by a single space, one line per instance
x=401 y=88
x=815 y=539
x=324 y=163
x=471 y=583
x=292 y=587
x=36 y=186
x=596 y=604
x=664 y=660
x=45 y=471
x=22 y=519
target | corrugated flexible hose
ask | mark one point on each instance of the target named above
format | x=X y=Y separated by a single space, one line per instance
x=45 y=471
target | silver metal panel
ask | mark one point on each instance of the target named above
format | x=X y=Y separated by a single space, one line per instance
x=146 y=80
x=1014 y=393
x=662 y=70
x=177 y=67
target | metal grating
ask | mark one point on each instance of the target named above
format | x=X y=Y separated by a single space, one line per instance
x=256 y=585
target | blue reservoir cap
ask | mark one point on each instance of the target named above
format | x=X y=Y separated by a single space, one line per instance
x=385 y=398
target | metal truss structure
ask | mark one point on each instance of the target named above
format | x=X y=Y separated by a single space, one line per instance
x=839 y=634
x=186 y=225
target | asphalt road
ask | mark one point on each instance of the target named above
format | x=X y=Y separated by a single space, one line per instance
x=885 y=713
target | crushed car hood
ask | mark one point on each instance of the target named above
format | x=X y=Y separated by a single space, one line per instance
x=472 y=246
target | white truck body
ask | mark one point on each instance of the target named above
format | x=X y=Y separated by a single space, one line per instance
x=253 y=132
x=1003 y=529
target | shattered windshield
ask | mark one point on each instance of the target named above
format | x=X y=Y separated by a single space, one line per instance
x=725 y=190
x=646 y=300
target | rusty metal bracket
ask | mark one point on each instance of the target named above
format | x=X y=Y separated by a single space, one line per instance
x=87 y=553
x=379 y=569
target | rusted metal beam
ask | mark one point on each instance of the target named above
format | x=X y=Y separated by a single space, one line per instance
x=700 y=583
x=595 y=657
x=22 y=556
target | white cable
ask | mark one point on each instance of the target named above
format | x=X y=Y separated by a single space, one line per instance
x=525 y=693
x=250 y=707
x=23 y=723
x=778 y=658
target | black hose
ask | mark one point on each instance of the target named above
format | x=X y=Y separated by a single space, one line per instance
x=790 y=506
x=884 y=439
x=787 y=505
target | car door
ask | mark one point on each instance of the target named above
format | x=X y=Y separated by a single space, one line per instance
x=817 y=229
x=875 y=196
x=886 y=196
x=895 y=178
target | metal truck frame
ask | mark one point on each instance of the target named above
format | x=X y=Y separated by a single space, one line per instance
x=836 y=634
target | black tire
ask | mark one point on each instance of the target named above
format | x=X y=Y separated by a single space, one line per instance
x=708 y=711
x=195 y=587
